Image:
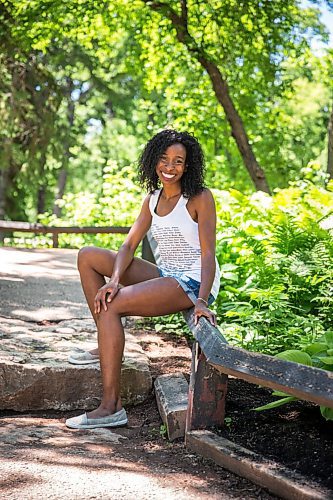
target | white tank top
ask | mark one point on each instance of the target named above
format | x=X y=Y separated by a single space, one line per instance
x=175 y=243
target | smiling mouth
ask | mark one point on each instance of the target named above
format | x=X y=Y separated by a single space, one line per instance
x=168 y=176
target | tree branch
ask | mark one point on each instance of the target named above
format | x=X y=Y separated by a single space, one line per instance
x=220 y=87
x=184 y=12
x=178 y=22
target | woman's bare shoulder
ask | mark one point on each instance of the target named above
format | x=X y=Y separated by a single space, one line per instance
x=146 y=199
x=204 y=197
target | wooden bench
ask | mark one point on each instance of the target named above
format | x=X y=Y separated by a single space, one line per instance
x=213 y=359
x=212 y=355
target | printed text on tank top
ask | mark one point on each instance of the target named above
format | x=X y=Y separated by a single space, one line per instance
x=175 y=242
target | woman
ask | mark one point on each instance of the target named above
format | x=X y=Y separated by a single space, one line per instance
x=182 y=220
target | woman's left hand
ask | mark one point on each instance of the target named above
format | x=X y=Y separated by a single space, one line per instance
x=200 y=309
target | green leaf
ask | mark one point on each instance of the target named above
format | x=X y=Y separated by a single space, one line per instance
x=228 y=267
x=327 y=360
x=326 y=412
x=315 y=348
x=232 y=289
x=229 y=276
x=275 y=404
x=280 y=394
x=295 y=356
x=329 y=338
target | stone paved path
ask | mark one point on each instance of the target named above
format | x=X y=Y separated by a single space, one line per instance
x=38 y=285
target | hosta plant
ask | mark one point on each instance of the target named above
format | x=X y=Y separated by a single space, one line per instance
x=318 y=354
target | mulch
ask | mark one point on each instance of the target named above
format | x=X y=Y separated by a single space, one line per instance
x=294 y=435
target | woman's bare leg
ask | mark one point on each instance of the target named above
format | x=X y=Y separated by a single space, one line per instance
x=154 y=297
x=95 y=263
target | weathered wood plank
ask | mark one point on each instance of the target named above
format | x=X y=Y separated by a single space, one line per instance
x=304 y=382
x=207 y=391
x=171 y=393
x=203 y=330
x=283 y=482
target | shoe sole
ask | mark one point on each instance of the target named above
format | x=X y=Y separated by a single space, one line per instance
x=95 y=426
x=73 y=361
x=83 y=362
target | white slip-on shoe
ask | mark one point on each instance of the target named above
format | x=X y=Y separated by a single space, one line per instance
x=83 y=422
x=83 y=358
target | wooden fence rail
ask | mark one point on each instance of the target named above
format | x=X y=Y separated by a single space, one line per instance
x=26 y=227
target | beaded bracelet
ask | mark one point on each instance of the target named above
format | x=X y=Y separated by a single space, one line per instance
x=203 y=300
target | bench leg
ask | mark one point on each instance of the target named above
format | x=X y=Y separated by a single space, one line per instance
x=207 y=391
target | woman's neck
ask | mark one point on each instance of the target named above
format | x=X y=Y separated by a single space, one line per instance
x=168 y=194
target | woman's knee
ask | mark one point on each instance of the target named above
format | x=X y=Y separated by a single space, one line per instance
x=84 y=256
x=111 y=314
x=116 y=308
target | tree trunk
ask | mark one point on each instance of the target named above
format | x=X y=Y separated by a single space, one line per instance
x=237 y=127
x=220 y=88
x=330 y=146
x=62 y=178
x=41 y=195
x=3 y=191
x=41 y=192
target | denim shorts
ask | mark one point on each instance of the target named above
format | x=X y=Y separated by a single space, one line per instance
x=190 y=286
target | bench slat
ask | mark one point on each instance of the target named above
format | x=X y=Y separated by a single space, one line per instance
x=304 y=382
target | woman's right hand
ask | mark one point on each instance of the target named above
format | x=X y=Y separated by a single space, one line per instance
x=105 y=294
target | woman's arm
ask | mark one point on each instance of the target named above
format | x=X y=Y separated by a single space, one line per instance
x=206 y=213
x=124 y=257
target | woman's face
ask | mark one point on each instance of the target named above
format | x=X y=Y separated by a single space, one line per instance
x=171 y=165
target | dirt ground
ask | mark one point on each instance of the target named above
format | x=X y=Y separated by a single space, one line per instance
x=41 y=458
x=138 y=462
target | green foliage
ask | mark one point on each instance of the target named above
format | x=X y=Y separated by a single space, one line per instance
x=228 y=422
x=318 y=354
x=84 y=83
x=276 y=258
x=163 y=431
x=254 y=46
x=116 y=203
x=173 y=324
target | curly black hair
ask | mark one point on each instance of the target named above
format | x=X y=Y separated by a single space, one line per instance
x=192 y=181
